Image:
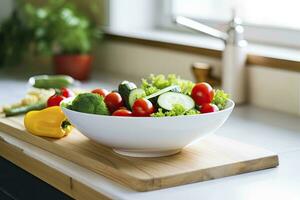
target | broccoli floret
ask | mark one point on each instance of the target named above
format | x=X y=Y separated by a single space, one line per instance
x=90 y=103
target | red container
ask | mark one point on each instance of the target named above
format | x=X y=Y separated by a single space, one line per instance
x=76 y=66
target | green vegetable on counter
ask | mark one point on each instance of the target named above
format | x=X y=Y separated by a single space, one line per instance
x=89 y=103
x=51 y=81
x=220 y=99
x=23 y=109
x=177 y=110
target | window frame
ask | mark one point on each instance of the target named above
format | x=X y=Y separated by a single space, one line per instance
x=283 y=37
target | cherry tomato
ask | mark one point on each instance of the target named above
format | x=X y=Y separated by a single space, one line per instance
x=101 y=92
x=66 y=92
x=113 y=101
x=142 y=108
x=122 y=113
x=202 y=93
x=55 y=100
x=209 y=107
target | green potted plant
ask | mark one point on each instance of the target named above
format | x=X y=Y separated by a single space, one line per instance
x=58 y=29
x=14 y=40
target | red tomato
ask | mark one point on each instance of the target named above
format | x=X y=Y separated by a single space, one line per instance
x=101 y=92
x=66 y=92
x=122 y=113
x=55 y=100
x=142 y=108
x=113 y=101
x=209 y=107
x=202 y=93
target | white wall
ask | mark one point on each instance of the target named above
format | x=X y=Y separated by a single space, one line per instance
x=269 y=88
x=136 y=14
x=140 y=60
x=274 y=89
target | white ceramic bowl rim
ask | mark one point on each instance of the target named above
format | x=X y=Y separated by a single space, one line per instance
x=230 y=105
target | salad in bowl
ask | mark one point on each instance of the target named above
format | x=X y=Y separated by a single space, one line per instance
x=157 y=118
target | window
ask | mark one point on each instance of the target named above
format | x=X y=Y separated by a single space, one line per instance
x=266 y=21
x=281 y=14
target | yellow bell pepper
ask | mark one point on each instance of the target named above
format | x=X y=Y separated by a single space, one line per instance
x=49 y=122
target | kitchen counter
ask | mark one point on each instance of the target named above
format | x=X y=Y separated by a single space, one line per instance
x=275 y=131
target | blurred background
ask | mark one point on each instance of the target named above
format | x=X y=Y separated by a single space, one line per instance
x=96 y=40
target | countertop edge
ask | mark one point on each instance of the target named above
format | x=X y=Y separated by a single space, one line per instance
x=66 y=184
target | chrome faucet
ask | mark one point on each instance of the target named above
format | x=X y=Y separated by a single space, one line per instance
x=234 y=54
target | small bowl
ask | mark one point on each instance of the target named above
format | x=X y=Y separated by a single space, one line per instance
x=147 y=136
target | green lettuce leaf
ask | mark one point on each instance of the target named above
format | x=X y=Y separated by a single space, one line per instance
x=220 y=99
x=177 y=110
x=155 y=83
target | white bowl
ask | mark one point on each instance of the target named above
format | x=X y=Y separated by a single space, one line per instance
x=147 y=136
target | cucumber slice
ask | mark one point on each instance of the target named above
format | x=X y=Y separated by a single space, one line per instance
x=167 y=100
x=124 y=89
x=153 y=97
x=136 y=94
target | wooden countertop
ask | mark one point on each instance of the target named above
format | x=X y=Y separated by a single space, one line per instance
x=271 y=130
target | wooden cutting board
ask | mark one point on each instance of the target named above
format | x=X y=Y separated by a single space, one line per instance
x=212 y=157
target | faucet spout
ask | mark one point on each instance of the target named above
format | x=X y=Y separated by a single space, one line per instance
x=233 y=58
x=197 y=26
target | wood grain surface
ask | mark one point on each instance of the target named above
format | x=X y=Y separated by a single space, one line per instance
x=210 y=158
